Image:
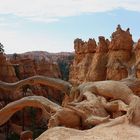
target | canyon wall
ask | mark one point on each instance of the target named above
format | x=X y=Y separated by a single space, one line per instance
x=97 y=62
x=54 y=65
x=16 y=67
x=7 y=72
x=34 y=63
x=137 y=56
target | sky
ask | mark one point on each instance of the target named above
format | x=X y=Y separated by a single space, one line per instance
x=52 y=25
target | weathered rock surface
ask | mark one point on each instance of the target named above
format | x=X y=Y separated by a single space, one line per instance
x=137 y=54
x=84 y=53
x=116 y=104
x=20 y=66
x=7 y=72
x=117 y=132
x=120 y=48
x=41 y=63
x=35 y=63
x=97 y=68
x=113 y=96
x=90 y=61
x=99 y=62
x=33 y=101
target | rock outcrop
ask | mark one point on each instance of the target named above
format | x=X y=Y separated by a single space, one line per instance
x=84 y=114
x=7 y=72
x=90 y=61
x=99 y=62
x=96 y=107
x=120 y=48
x=54 y=65
x=137 y=54
x=17 y=67
x=84 y=53
x=97 y=68
x=117 y=132
x=33 y=63
x=42 y=63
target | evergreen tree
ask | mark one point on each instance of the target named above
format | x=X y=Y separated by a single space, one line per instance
x=1 y=48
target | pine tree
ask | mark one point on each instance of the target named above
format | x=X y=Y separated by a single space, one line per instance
x=1 y=48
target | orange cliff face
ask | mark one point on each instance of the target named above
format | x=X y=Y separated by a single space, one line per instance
x=40 y=63
x=137 y=54
x=90 y=61
x=36 y=63
x=20 y=66
x=84 y=53
x=97 y=69
x=99 y=62
x=7 y=72
x=33 y=63
x=120 y=48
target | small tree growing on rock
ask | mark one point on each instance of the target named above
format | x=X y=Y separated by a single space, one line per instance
x=1 y=48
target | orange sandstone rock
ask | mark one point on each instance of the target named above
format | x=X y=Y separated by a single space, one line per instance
x=99 y=62
x=120 y=48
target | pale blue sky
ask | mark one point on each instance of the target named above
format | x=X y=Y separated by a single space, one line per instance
x=29 y=25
